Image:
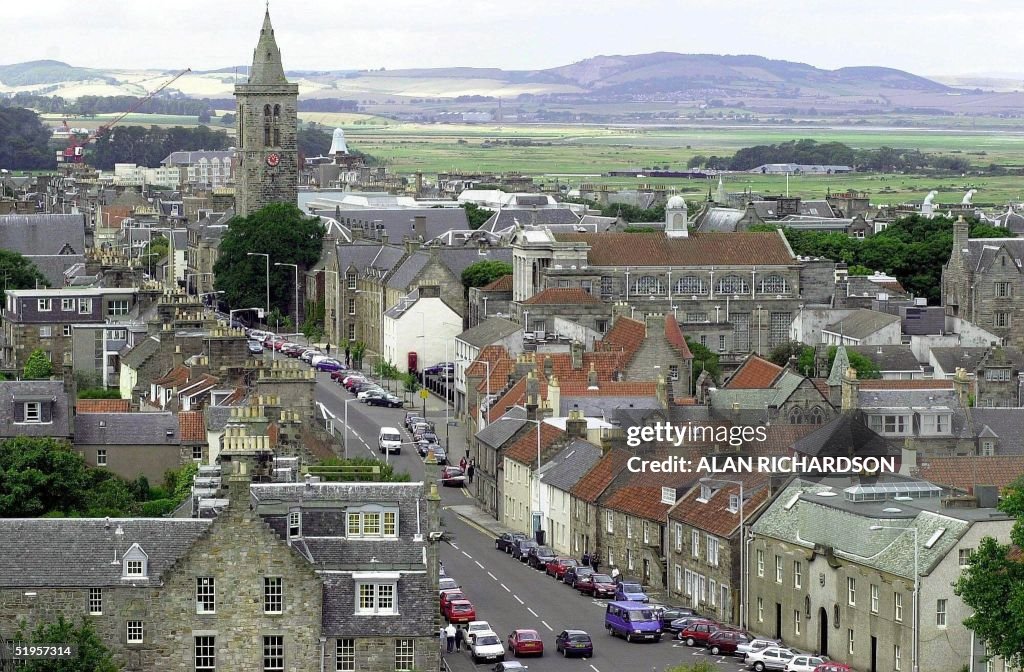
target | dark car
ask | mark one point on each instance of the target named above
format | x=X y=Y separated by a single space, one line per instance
x=540 y=556
x=331 y=365
x=558 y=567
x=574 y=574
x=255 y=347
x=670 y=614
x=507 y=540
x=521 y=550
x=453 y=476
x=726 y=641
x=412 y=417
x=574 y=643
x=427 y=438
x=600 y=585
x=388 y=399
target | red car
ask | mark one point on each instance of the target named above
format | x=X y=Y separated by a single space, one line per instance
x=460 y=611
x=698 y=633
x=726 y=641
x=525 y=642
x=449 y=595
x=833 y=667
x=557 y=567
x=600 y=585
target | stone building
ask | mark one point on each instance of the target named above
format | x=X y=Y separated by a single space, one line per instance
x=268 y=158
x=130 y=444
x=981 y=283
x=37 y=408
x=832 y=570
x=492 y=299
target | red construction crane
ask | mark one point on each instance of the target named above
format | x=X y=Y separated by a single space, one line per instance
x=75 y=151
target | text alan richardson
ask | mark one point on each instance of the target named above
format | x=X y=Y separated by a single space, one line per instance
x=766 y=465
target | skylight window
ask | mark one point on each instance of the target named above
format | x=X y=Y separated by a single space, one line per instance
x=935 y=537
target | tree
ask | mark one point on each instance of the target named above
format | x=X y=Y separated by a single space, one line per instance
x=18 y=272
x=283 y=232
x=98 y=393
x=992 y=586
x=91 y=654
x=357 y=350
x=484 y=273
x=476 y=215
x=228 y=119
x=24 y=140
x=387 y=470
x=38 y=365
x=703 y=360
x=40 y=476
x=865 y=367
x=781 y=354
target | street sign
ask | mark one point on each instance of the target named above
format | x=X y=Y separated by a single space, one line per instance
x=424 y=393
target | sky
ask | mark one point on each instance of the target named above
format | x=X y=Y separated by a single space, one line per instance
x=926 y=37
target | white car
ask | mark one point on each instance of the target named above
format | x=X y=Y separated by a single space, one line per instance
x=487 y=646
x=770 y=658
x=804 y=663
x=754 y=645
x=446 y=583
x=474 y=628
x=362 y=395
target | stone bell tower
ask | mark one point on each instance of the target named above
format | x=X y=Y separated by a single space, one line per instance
x=267 y=118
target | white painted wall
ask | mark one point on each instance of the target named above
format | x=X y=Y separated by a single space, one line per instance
x=428 y=328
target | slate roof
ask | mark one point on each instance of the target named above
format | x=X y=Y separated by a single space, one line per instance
x=54 y=267
x=502 y=284
x=600 y=476
x=562 y=296
x=501 y=430
x=845 y=435
x=76 y=552
x=192 y=426
x=408 y=270
x=144 y=429
x=881 y=384
x=699 y=249
x=398 y=222
x=720 y=220
x=1005 y=425
x=415 y=600
x=103 y=405
x=754 y=374
x=217 y=417
x=490 y=330
x=42 y=234
x=963 y=473
x=458 y=259
x=141 y=353
x=507 y=218
x=31 y=390
x=889 y=357
x=713 y=516
x=862 y=323
x=567 y=467
x=982 y=251
x=723 y=399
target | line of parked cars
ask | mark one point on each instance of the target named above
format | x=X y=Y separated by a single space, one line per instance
x=259 y=341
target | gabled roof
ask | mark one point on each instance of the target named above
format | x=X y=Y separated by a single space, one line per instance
x=871 y=384
x=626 y=335
x=524 y=450
x=502 y=284
x=845 y=435
x=862 y=323
x=13 y=392
x=192 y=426
x=963 y=473
x=501 y=365
x=754 y=374
x=562 y=296
x=500 y=430
x=144 y=429
x=1006 y=425
x=570 y=465
x=639 y=493
x=103 y=405
x=42 y=234
x=176 y=377
x=713 y=516
x=594 y=482
x=889 y=357
x=77 y=552
x=982 y=251
x=488 y=331
x=141 y=353
x=698 y=249
x=674 y=335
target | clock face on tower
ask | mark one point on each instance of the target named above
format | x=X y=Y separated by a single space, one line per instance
x=273 y=160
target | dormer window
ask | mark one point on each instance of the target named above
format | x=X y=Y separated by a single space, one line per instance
x=135 y=563
x=734 y=503
x=372 y=521
x=294 y=523
x=705 y=493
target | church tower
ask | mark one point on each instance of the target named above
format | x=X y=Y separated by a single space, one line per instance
x=268 y=158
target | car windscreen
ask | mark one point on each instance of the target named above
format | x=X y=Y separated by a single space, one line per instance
x=544 y=550
x=527 y=636
x=579 y=637
x=632 y=588
x=487 y=640
x=641 y=615
x=602 y=578
x=391 y=437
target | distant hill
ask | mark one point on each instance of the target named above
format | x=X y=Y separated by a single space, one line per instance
x=46 y=73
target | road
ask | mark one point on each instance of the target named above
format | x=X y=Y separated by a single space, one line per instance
x=505 y=592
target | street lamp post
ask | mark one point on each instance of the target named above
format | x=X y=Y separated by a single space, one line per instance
x=917 y=587
x=296 y=267
x=266 y=257
x=743 y=570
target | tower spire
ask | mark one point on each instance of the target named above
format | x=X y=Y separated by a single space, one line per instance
x=266 y=58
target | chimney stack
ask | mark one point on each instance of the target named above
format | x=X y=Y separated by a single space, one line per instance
x=420 y=226
x=576 y=425
x=532 y=389
x=661 y=390
x=592 y=378
x=576 y=350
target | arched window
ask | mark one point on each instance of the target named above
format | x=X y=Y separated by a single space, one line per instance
x=773 y=284
x=277 y=111
x=647 y=284
x=277 y=137
x=266 y=135
x=796 y=416
x=733 y=284
x=690 y=284
x=817 y=416
x=266 y=110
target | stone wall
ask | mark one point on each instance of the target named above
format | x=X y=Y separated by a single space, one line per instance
x=621 y=546
x=726 y=573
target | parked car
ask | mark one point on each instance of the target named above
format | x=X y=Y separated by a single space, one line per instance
x=460 y=611
x=634 y=621
x=421 y=426
x=437 y=369
x=631 y=591
x=574 y=643
x=255 y=347
x=755 y=645
x=600 y=585
x=447 y=583
x=521 y=551
x=388 y=400
x=558 y=566
x=669 y=614
x=575 y=574
x=328 y=364
x=473 y=628
x=440 y=456
x=371 y=391
x=486 y=646
x=449 y=595
x=726 y=641
x=508 y=666
x=505 y=541
x=308 y=355
x=427 y=438
x=452 y=477
x=681 y=624
x=412 y=417
x=832 y=666
x=698 y=633
x=769 y=658
x=803 y=663
x=540 y=557
x=525 y=642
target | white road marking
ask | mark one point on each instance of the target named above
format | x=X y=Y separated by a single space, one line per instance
x=532 y=612
x=453 y=546
x=492 y=576
x=355 y=433
x=506 y=588
x=547 y=626
x=478 y=564
x=467 y=555
x=518 y=600
x=594 y=669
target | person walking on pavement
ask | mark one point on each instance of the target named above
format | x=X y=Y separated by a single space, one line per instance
x=462 y=464
x=460 y=637
x=595 y=563
x=449 y=634
x=469 y=472
x=443 y=636
x=585 y=561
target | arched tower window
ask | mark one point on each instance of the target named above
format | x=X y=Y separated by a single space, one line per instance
x=277 y=111
x=796 y=417
x=277 y=137
x=266 y=125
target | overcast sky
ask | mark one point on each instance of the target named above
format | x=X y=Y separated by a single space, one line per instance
x=928 y=37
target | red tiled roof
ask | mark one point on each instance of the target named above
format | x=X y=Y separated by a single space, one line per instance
x=516 y=395
x=684 y=401
x=963 y=473
x=639 y=494
x=893 y=285
x=103 y=406
x=176 y=377
x=714 y=516
x=608 y=389
x=594 y=482
x=754 y=374
x=501 y=365
x=502 y=284
x=191 y=426
x=562 y=296
x=699 y=249
x=626 y=336
x=923 y=384
x=525 y=449
x=675 y=337
x=821 y=384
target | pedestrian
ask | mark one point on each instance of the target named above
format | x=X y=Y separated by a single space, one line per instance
x=615 y=574
x=449 y=634
x=586 y=559
x=444 y=637
x=460 y=637
x=328 y=348
x=462 y=464
x=594 y=562
x=470 y=471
